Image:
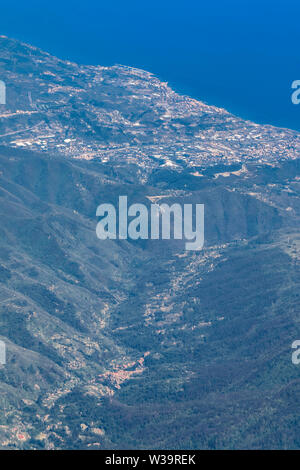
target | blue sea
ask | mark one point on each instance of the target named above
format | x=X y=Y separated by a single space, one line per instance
x=240 y=55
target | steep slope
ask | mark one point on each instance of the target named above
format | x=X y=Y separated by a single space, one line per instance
x=136 y=344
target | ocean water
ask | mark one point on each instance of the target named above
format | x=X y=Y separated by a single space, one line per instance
x=240 y=55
